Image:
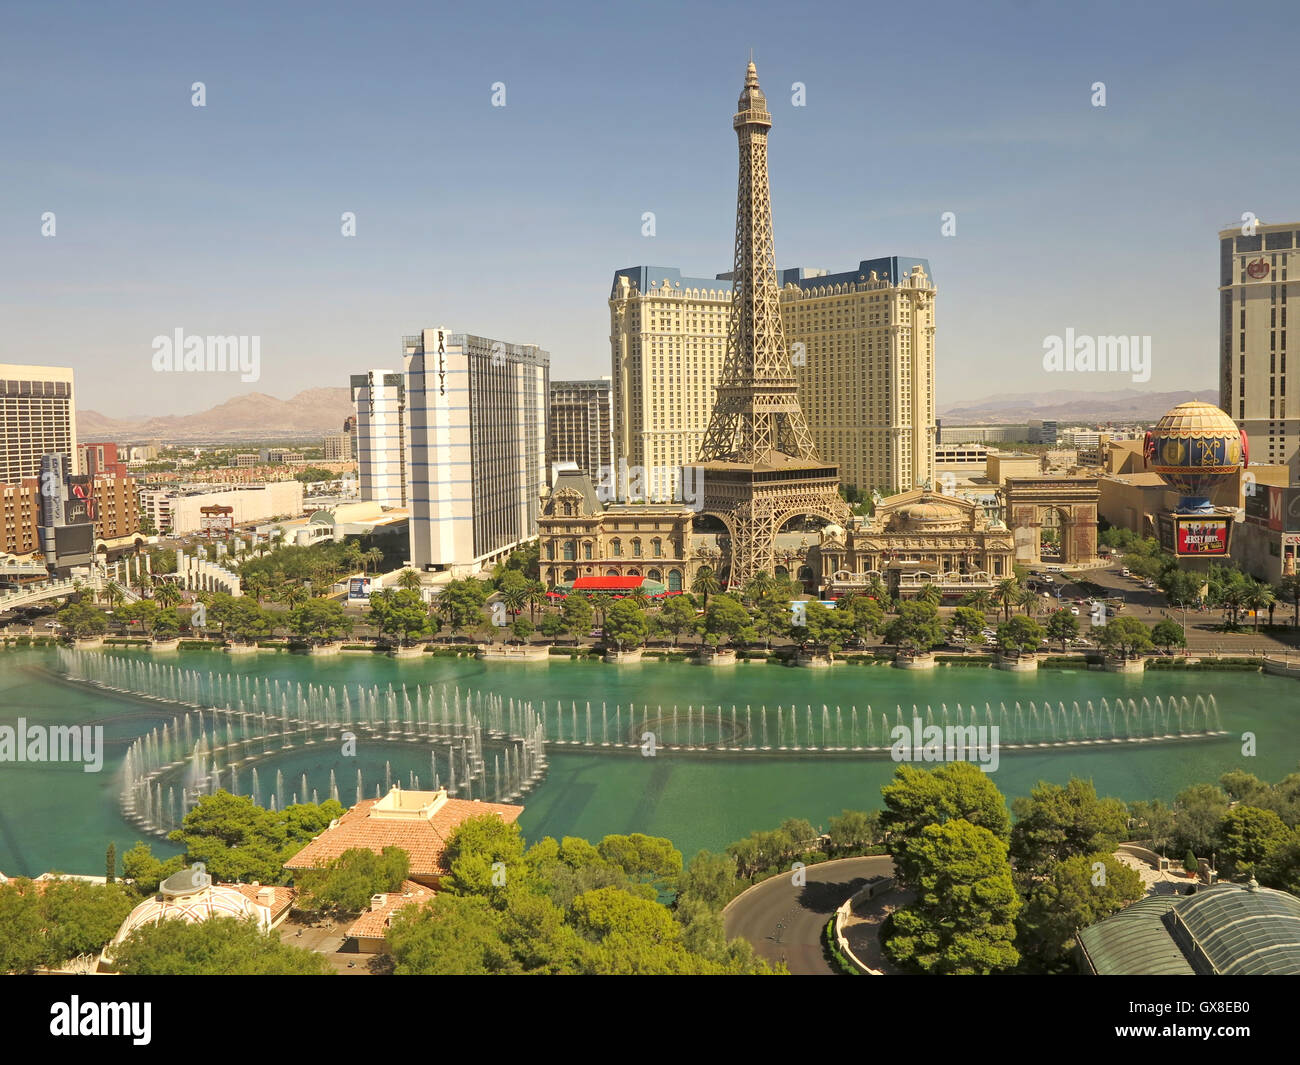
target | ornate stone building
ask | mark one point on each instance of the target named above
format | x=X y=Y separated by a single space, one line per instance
x=580 y=537
x=914 y=539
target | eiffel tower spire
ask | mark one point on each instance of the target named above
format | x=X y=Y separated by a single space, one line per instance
x=756 y=411
x=758 y=463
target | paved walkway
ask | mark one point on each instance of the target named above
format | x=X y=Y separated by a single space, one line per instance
x=862 y=928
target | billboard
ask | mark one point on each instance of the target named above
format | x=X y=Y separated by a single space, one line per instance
x=1193 y=535
x=81 y=500
x=359 y=587
x=217 y=521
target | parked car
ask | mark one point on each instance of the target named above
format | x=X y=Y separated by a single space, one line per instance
x=1074 y=610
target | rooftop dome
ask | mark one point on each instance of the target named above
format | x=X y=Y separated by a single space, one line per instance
x=191 y=896
x=928 y=514
x=1196 y=417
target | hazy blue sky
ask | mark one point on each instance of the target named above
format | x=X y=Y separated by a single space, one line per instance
x=509 y=222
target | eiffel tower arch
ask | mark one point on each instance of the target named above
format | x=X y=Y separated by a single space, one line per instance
x=758 y=463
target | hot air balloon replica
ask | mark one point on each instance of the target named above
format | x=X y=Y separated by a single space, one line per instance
x=1194 y=448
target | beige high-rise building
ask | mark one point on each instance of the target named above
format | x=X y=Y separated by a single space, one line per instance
x=38 y=417
x=862 y=347
x=1253 y=375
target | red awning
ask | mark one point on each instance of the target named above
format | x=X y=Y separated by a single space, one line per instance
x=607 y=584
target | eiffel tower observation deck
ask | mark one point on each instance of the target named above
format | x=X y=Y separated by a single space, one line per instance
x=759 y=465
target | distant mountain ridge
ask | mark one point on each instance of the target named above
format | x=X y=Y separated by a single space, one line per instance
x=313 y=412
x=1070 y=405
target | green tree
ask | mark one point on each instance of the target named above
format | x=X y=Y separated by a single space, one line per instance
x=320 y=621
x=578 y=614
x=917 y=798
x=400 y=614
x=110 y=863
x=452 y=935
x=1168 y=633
x=522 y=628
x=553 y=626
x=239 y=840
x=1062 y=626
x=1246 y=837
x=962 y=920
x=409 y=580
x=81 y=918
x=485 y=854
x=828 y=629
x=82 y=620
x=626 y=625
x=709 y=878
x=219 y=946
x=460 y=603
x=854 y=830
x=145 y=871
x=346 y=884
x=967 y=623
x=22 y=945
x=1054 y=824
x=705 y=583
x=916 y=629
x=676 y=616
x=1071 y=895
x=1021 y=635
x=1124 y=637
x=725 y=618
x=1198 y=812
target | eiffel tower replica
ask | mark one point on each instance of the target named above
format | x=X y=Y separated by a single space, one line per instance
x=759 y=464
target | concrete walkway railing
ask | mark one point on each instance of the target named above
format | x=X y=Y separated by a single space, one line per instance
x=869 y=890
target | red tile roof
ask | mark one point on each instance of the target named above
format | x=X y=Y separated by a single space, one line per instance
x=424 y=839
x=374 y=923
x=281 y=897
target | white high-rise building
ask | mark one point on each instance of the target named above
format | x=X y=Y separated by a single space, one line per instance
x=477 y=415
x=38 y=417
x=383 y=462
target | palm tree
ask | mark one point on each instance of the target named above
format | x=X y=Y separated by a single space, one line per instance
x=409 y=580
x=536 y=598
x=601 y=603
x=515 y=598
x=292 y=595
x=876 y=589
x=759 y=587
x=1007 y=594
x=166 y=594
x=929 y=594
x=256 y=585
x=1258 y=598
x=113 y=595
x=374 y=556
x=705 y=584
x=981 y=599
x=1029 y=600
x=1289 y=591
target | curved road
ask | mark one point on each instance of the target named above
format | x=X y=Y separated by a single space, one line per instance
x=784 y=922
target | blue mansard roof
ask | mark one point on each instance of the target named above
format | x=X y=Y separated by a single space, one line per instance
x=892 y=268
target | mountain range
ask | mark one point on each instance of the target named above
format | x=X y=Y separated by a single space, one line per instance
x=256 y=416
x=316 y=411
x=1070 y=405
